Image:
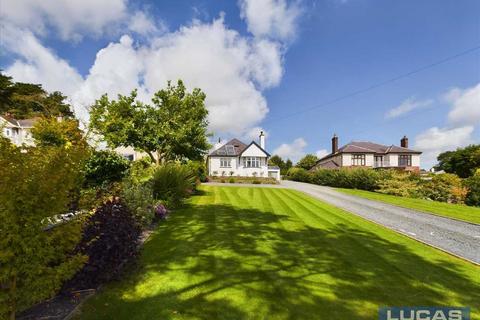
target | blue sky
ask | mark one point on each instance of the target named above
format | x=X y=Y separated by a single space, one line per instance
x=268 y=64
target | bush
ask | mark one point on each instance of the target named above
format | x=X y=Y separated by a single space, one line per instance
x=445 y=187
x=473 y=185
x=198 y=167
x=172 y=183
x=138 y=197
x=105 y=167
x=298 y=174
x=35 y=184
x=110 y=240
x=256 y=182
x=141 y=170
x=359 y=178
x=401 y=184
x=231 y=180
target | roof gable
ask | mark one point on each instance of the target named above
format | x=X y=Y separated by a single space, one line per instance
x=253 y=145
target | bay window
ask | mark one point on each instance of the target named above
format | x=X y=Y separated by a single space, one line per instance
x=405 y=160
x=251 y=162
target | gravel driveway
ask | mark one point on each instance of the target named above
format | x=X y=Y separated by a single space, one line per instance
x=457 y=237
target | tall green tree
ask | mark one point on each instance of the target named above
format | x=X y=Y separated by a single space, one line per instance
x=307 y=162
x=174 y=127
x=463 y=161
x=27 y=100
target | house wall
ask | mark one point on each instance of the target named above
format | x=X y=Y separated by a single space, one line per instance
x=237 y=167
x=17 y=135
x=347 y=160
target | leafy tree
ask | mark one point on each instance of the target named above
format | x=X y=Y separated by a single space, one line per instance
x=104 y=167
x=473 y=185
x=26 y=100
x=51 y=132
x=288 y=165
x=307 y=162
x=173 y=128
x=462 y=162
x=35 y=184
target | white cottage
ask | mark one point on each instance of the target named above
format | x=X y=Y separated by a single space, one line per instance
x=236 y=158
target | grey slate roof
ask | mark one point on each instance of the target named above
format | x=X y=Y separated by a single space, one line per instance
x=369 y=147
x=238 y=147
x=234 y=148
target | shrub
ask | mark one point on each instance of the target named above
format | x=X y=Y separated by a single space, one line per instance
x=141 y=170
x=138 y=197
x=358 y=178
x=172 y=183
x=231 y=180
x=198 y=167
x=401 y=184
x=35 y=184
x=110 y=240
x=105 y=167
x=256 y=182
x=222 y=181
x=298 y=174
x=445 y=187
x=473 y=185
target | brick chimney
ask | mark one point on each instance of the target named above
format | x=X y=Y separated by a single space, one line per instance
x=334 y=144
x=404 y=142
x=262 y=140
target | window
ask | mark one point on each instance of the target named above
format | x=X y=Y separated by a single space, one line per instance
x=7 y=132
x=225 y=163
x=405 y=160
x=358 y=160
x=251 y=162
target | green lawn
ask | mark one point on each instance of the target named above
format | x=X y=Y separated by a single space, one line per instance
x=265 y=253
x=461 y=212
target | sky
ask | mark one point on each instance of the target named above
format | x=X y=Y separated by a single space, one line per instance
x=299 y=70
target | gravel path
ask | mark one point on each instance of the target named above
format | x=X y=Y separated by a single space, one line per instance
x=459 y=238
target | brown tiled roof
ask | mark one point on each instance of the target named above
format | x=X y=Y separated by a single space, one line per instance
x=369 y=147
x=238 y=147
x=327 y=165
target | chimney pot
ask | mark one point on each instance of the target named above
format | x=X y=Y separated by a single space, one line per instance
x=334 y=144
x=262 y=140
x=404 y=142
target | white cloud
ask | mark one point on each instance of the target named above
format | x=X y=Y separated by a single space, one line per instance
x=293 y=151
x=407 y=106
x=38 y=64
x=231 y=69
x=143 y=24
x=274 y=19
x=71 y=19
x=322 y=153
x=465 y=106
x=436 y=140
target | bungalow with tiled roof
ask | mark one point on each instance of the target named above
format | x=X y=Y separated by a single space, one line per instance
x=236 y=158
x=371 y=155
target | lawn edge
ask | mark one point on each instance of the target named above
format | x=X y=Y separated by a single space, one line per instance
x=403 y=207
x=396 y=231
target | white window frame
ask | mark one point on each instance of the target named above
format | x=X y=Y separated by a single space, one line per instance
x=252 y=162
x=359 y=159
x=225 y=162
x=8 y=132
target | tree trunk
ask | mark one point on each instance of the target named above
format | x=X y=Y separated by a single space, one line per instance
x=152 y=157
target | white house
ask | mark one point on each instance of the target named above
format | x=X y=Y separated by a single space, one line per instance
x=236 y=158
x=371 y=155
x=18 y=131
